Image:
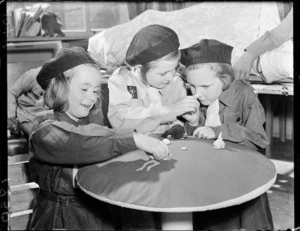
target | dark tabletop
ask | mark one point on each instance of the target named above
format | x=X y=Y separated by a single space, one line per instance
x=199 y=178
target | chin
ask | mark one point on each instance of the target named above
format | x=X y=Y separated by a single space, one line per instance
x=205 y=103
x=84 y=114
x=162 y=86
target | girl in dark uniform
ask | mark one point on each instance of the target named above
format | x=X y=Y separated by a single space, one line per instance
x=230 y=107
x=70 y=137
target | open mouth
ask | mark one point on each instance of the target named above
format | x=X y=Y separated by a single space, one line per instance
x=86 y=105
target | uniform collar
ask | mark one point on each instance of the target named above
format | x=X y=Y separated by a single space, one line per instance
x=62 y=116
x=227 y=96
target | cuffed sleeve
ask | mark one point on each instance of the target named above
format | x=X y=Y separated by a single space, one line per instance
x=63 y=143
x=274 y=38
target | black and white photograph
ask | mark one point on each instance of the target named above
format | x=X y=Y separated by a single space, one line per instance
x=148 y=115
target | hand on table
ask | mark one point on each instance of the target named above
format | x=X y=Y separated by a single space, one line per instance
x=151 y=145
x=205 y=133
x=243 y=66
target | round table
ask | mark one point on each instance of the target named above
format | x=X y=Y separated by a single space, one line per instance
x=197 y=177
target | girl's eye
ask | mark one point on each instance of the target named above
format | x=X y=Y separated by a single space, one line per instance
x=191 y=88
x=97 y=91
x=83 y=89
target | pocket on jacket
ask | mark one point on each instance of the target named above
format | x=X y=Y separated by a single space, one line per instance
x=235 y=117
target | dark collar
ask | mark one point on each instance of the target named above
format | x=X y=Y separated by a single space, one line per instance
x=62 y=116
x=227 y=96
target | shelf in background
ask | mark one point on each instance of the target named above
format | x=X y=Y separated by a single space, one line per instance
x=35 y=39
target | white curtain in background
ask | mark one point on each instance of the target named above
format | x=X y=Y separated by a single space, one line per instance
x=234 y=23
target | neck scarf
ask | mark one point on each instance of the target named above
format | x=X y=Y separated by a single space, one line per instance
x=212 y=115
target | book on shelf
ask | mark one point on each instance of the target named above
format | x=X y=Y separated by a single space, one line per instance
x=25 y=22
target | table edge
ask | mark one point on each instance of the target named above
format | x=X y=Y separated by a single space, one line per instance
x=236 y=201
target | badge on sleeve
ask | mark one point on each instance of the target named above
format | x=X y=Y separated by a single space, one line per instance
x=133 y=91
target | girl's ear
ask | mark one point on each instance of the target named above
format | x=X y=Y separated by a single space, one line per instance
x=136 y=70
x=226 y=80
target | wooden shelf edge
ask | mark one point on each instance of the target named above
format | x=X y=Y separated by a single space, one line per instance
x=34 y=39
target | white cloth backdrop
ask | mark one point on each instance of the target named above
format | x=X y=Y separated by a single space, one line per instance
x=234 y=23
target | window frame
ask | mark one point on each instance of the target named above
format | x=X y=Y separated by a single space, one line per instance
x=88 y=31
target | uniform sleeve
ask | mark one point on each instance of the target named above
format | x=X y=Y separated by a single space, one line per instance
x=127 y=113
x=190 y=129
x=22 y=85
x=274 y=38
x=179 y=91
x=63 y=143
x=248 y=130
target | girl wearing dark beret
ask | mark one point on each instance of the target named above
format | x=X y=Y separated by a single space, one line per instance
x=148 y=94
x=230 y=107
x=67 y=139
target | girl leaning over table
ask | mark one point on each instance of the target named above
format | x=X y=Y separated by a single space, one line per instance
x=230 y=107
x=63 y=141
x=148 y=95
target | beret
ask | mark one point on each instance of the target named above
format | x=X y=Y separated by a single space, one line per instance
x=65 y=59
x=206 y=51
x=151 y=43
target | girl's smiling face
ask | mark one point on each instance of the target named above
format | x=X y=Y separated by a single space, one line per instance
x=163 y=73
x=205 y=83
x=84 y=90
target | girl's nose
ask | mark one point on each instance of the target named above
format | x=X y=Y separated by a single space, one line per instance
x=91 y=95
x=198 y=92
x=171 y=75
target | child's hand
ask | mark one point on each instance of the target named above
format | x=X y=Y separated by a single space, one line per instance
x=151 y=145
x=243 y=66
x=205 y=133
x=192 y=117
x=184 y=105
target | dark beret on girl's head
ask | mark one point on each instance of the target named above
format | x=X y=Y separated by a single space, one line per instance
x=65 y=59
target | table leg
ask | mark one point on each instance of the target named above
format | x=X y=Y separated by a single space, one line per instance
x=177 y=221
x=282 y=120
x=269 y=122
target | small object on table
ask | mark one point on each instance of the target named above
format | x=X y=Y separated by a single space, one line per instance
x=166 y=141
x=219 y=143
x=175 y=132
x=183 y=148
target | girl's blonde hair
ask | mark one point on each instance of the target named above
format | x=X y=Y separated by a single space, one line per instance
x=148 y=66
x=57 y=92
x=223 y=71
